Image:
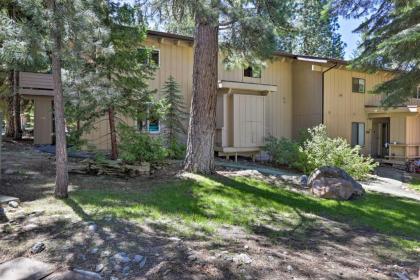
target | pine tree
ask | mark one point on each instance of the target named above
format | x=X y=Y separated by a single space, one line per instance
x=175 y=115
x=245 y=31
x=390 y=39
x=111 y=80
x=315 y=31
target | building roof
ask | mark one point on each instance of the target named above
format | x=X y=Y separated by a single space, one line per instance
x=276 y=53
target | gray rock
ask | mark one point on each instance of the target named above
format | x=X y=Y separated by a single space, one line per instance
x=402 y=276
x=94 y=250
x=105 y=253
x=242 y=259
x=126 y=270
x=113 y=278
x=13 y=204
x=121 y=258
x=30 y=227
x=9 y=171
x=87 y=274
x=82 y=257
x=143 y=262
x=304 y=181
x=334 y=183
x=38 y=248
x=138 y=258
x=92 y=227
x=289 y=268
x=99 y=267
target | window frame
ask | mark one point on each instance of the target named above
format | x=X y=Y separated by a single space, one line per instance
x=155 y=131
x=152 y=50
x=358 y=84
x=357 y=136
x=250 y=68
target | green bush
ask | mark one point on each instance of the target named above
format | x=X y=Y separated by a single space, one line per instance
x=176 y=150
x=317 y=150
x=283 y=151
x=320 y=150
x=138 y=147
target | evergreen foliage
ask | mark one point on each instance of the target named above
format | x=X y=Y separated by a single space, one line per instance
x=175 y=117
x=315 y=31
x=390 y=39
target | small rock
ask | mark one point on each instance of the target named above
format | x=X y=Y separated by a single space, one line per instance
x=126 y=270
x=192 y=257
x=242 y=258
x=38 y=248
x=304 y=181
x=29 y=227
x=82 y=257
x=289 y=268
x=9 y=172
x=174 y=239
x=99 y=267
x=138 y=258
x=143 y=263
x=87 y=274
x=246 y=247
x=402 y=276
x=106 y=253
x=92 y=227
x=121 y=258
x=94 y=250
x=117 y=267
x=13 y=204
x=113 y=278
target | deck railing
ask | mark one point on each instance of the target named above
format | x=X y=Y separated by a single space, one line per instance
x=376 y=100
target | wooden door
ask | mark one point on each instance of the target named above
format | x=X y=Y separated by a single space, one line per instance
x=248 y=120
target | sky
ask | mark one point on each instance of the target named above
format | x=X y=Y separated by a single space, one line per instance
x=348 y=37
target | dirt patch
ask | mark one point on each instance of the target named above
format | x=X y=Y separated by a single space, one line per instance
x=314 y=248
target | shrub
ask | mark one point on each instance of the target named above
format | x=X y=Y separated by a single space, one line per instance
x=138 y=147
x=320 y=150
x=283 y=151
x=316 y=149
x=176 y=150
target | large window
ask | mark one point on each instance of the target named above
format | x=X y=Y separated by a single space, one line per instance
x=358 y=134
x=151 y=125
x=252 y=72
x=358 y=85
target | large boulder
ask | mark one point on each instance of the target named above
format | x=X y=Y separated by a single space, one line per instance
x=334 y=183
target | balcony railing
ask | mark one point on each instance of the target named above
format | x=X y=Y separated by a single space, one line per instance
x=376 y=100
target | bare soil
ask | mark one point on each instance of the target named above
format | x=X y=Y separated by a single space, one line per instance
x=323 y=249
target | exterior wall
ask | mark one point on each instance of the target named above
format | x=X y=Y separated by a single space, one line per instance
x=307 y=97
x=342 y=106
x=43 y=120
x=176 y=59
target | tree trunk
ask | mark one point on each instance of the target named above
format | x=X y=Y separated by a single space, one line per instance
x=61 y=181
x=10 y=126
x=200 y=150
x=113 y=133
x=16 y=105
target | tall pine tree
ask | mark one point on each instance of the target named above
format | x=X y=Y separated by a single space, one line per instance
x=390 y=39
x=246 y=33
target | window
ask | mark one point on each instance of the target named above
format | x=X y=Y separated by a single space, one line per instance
x=358 y=85
x=153 y=56
x=150 y=125
x=252 y=72
x=357 y=134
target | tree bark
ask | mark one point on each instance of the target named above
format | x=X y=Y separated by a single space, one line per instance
x=61 y=180
x=16 y=105
x=113 y=133
x=10 y=126
x=200 y=142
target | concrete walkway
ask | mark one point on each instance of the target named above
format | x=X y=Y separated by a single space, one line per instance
x=381 y=183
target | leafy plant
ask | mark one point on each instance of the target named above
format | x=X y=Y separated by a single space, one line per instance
x=138 y=147
x=320 y=150
x=283 y=151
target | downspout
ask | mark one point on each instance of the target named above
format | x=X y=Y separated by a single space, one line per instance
x=323 y=93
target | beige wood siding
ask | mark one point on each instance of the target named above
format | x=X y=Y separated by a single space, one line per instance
x=307 y=97
x=35 y=80
x=176 y=59
x=342 y=106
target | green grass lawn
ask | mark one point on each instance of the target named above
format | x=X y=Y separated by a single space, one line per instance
x=202 y=204
x=415 y=185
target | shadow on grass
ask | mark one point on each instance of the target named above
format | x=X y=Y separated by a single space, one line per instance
x=265 y=210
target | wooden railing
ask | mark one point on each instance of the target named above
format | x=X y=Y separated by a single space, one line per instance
x=403 y=152
x=376 y=100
